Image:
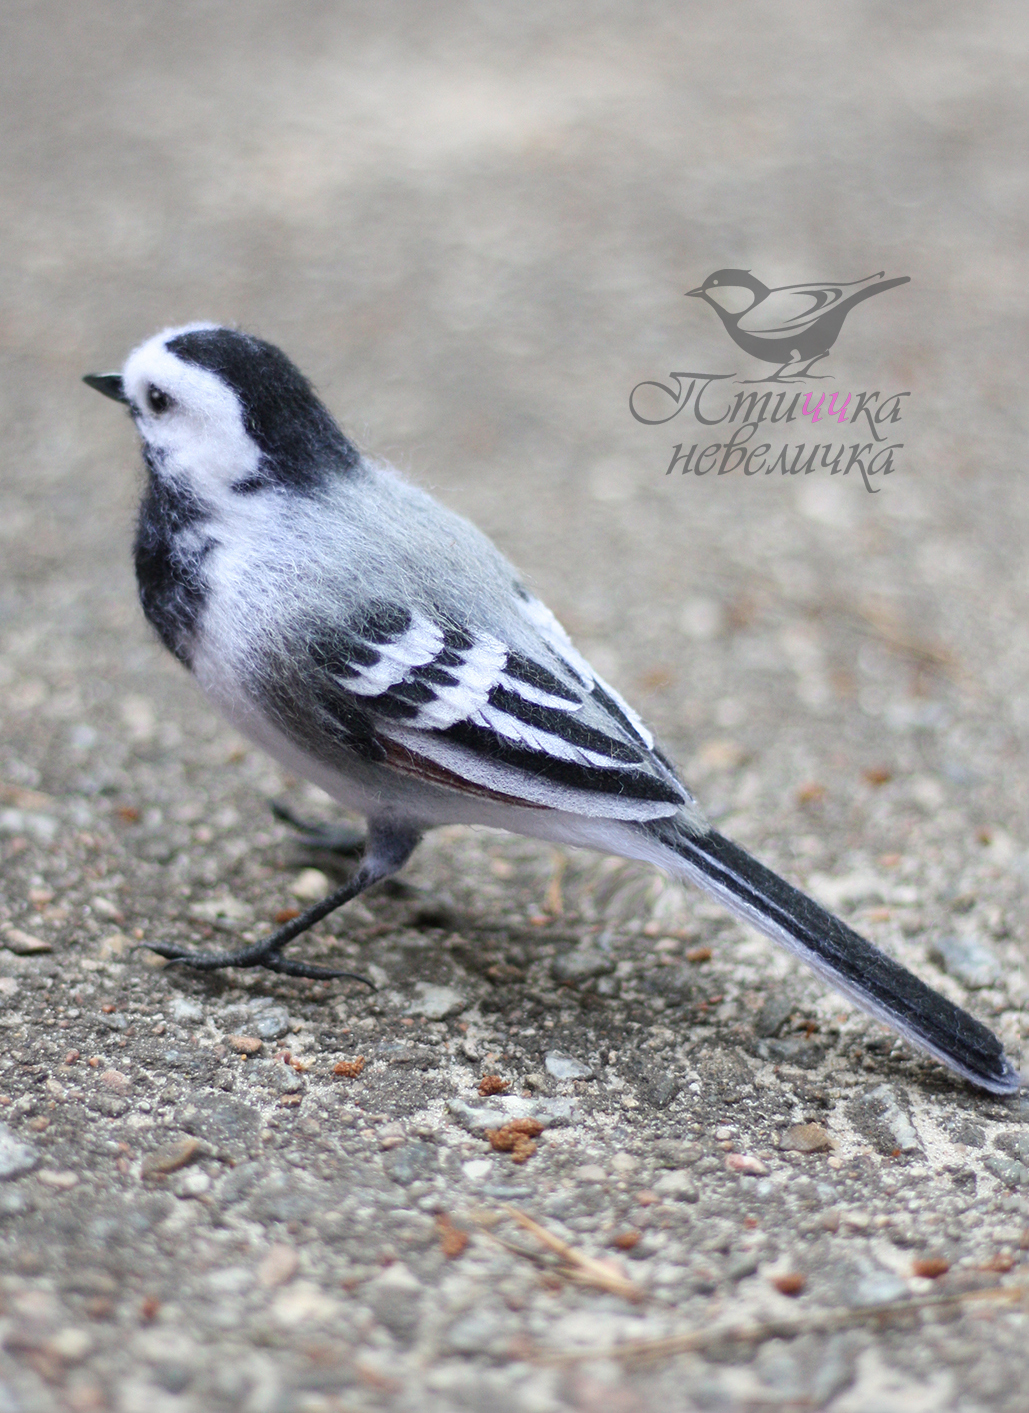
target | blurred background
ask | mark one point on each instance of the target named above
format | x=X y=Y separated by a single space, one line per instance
x=473 y=226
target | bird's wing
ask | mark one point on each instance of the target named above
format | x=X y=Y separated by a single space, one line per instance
x=464 y=708
x=794 y=308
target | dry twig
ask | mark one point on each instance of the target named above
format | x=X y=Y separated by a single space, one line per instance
x=583 y=1270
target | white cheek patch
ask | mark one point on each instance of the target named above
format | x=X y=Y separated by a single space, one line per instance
x=201 y=436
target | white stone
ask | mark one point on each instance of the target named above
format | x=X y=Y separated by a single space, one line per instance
x=311 y=885
x=301 y=1303
x=16 y=1157
x=436 y=1002
x=566 y=1066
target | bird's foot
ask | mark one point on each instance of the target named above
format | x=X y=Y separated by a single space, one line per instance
x=347 y=840
x=266 y=952
x=389 y=848
x=261 y=954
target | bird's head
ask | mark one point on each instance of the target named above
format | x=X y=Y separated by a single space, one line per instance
x=730 y=291
x=226 y=413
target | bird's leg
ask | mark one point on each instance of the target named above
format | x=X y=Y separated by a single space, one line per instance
x=344 y=839
x=390 y=845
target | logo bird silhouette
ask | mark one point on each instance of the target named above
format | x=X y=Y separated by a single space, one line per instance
x=793 y=326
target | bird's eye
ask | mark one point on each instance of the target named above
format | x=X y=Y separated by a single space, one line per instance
x=714 y=282
x=157 y=400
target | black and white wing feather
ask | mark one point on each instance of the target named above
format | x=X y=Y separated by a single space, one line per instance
x=535 y=727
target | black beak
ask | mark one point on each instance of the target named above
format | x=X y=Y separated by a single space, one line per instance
x=697 y=293
x=110 y=384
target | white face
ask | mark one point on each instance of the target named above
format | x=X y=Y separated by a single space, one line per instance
x=189 y=417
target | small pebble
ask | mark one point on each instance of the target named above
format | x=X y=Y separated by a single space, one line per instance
x=245 y=1044
x=931 y=1267
x=566 y=1066
x=679 y=1186
x=270 y=1023
x=436 y=1002
x=278 y=1266
x=493 y=1084
x=16 y=1157
x=24 y=944
x=114 y=1079
x=742 y=1265
x=169 y=1158
x=591 y=1172
x=69 y=1345
x=311 y=885
x=193 y=1184
x=807 y=1138
x=674 y=1153
x=792 y=1283
x=185 y=1010
x=1009 y=1170
x=103 y=907
x=62 y=1181
x=745 y=1163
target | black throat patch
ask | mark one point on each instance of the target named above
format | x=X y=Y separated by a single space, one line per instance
x=169 y=555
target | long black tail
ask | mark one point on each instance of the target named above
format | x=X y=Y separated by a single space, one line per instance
x=867 y=976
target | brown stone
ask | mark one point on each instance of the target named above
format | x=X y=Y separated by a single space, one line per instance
x=807 y=1138
x=169 y=1158
x=245 y=1044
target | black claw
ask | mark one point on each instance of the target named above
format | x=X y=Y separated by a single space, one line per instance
x=313 y=973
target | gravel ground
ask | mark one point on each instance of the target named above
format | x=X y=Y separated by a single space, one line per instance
x=473 y=226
